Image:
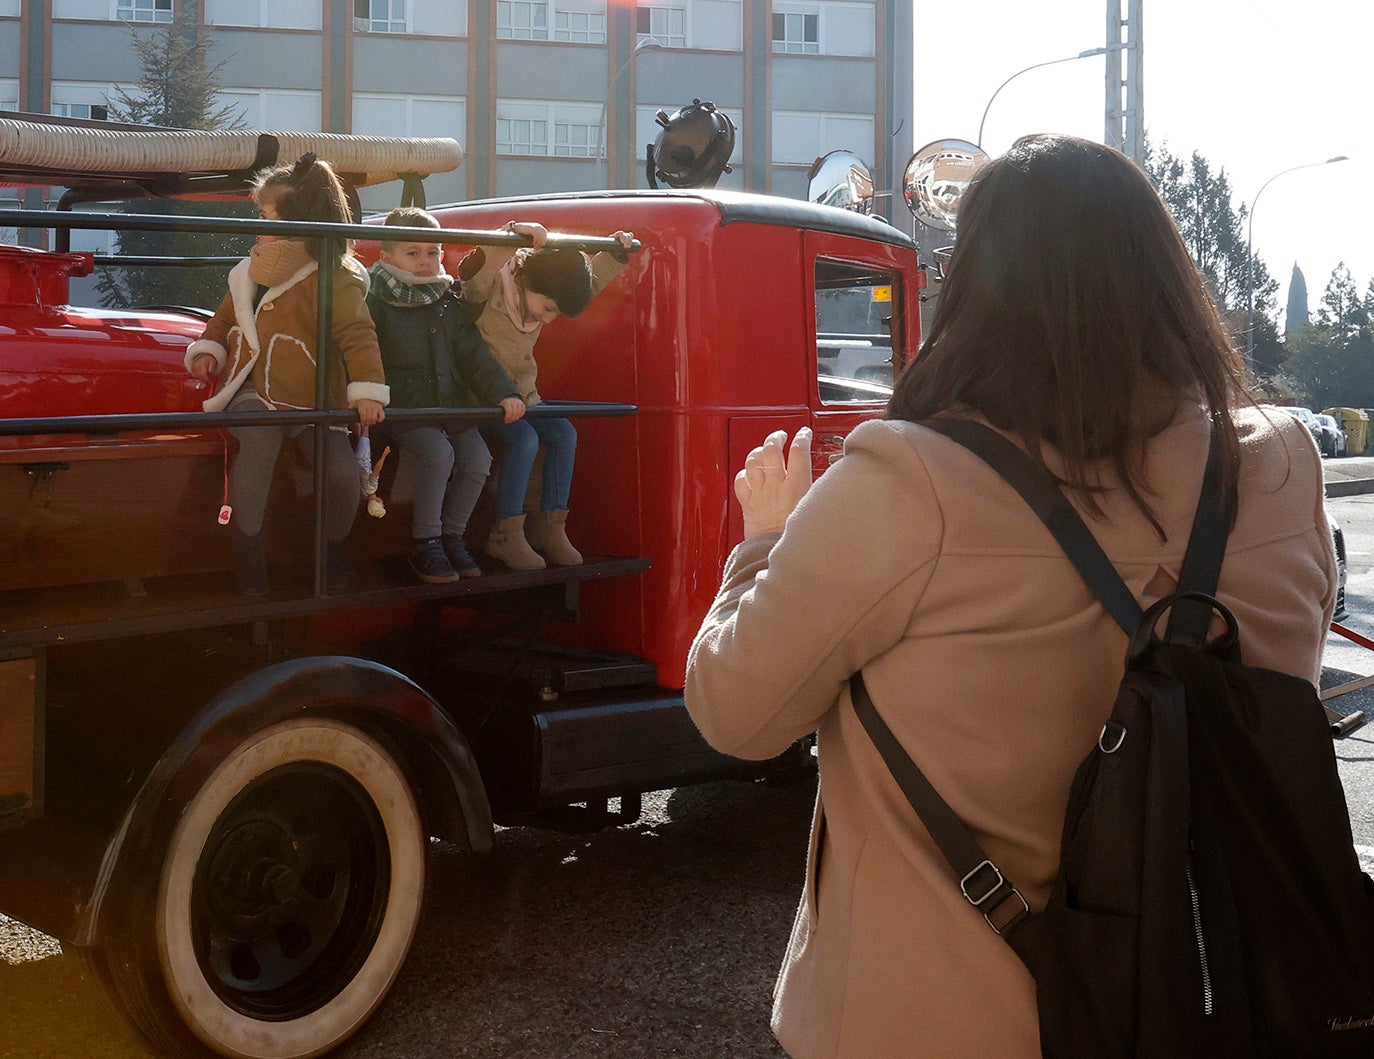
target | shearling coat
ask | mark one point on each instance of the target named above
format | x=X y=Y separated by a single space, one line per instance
x=272 y=347
x=995 y=667
x=513 y=348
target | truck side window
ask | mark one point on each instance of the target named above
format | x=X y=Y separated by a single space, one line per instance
x=855 y=309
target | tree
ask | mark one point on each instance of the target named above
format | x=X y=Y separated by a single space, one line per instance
x=1296 y=317
x=1214 y=232
x=1343 y=311
x=178 y=88
x=1331 y=362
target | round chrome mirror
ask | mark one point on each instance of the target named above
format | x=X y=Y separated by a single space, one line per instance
x=841 y=179
x=937 y=177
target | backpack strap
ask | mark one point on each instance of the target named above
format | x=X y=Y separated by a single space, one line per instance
x=982 y=882
x=1189 y=619
x=1050 y=505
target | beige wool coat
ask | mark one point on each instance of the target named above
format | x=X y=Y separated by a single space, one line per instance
x=271 y=348
x=513 y=348
x=996 y=668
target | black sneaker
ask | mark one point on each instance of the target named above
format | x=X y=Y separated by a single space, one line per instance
x=457 y=552
x=429 y=562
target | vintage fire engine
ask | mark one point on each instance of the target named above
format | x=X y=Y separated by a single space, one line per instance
x=224 y=802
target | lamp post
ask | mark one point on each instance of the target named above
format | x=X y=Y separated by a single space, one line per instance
x=647 y=44
x=1052 y=62
x=1250 y=257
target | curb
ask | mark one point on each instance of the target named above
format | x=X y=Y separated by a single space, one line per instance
x=1350 y=487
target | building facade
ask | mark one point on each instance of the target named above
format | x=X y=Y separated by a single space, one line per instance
x=545 y=95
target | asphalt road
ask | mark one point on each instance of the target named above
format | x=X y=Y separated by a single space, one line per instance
x=660 y=938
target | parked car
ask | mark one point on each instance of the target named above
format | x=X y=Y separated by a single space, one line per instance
x=1332 y=440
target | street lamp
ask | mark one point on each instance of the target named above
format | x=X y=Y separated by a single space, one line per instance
x=1052 y=62
x=646 y=44
x=1250 y=258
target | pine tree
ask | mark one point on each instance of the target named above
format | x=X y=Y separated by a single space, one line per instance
x=1296 y=317
x=1214 y=232
x=177 y=88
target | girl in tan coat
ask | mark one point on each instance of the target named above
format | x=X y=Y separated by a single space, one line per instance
x=261 y=343
x=1073 y=322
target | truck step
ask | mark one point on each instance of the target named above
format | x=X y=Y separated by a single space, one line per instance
x=33 y=618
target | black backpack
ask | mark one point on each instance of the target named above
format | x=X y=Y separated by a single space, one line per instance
x=1209 y=900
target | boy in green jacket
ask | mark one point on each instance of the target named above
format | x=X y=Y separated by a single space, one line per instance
x=435 y=357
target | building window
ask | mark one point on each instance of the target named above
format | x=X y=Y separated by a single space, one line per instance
x=280 y=109
x=796 y=33
x=9 y=93
x=523 y=20
x=143 y=10
x=799 y=138
x=662 y=23
x=522 y=136
x=380 y=16
x=89 y=111
x=387 y=114
x=267 y=14
x=580 y=27
x=562 y=130
x=576 y=139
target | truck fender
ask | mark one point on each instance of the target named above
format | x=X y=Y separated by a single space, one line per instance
x=380 y=701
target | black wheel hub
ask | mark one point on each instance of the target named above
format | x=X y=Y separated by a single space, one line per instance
x=290 y=891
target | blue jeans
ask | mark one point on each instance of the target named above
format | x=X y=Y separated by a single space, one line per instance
x=522 y=440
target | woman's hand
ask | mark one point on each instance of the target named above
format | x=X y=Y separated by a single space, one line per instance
x=769 y=487
x=513 y=407
x=203 y=367
x=625 y=239
x=370 y=412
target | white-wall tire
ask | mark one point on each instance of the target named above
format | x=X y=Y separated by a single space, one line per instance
x=247 y=860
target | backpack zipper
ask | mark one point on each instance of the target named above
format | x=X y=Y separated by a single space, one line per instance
x=1201 y=942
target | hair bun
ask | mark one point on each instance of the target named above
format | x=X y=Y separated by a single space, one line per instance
x=304 y=164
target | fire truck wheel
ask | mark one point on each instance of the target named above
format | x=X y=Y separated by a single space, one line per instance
x=288 y=899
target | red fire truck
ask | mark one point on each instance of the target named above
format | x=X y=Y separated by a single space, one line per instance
x=224 y=802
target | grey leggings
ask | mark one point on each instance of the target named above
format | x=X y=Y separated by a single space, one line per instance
x=453 y=466
x=250 y=477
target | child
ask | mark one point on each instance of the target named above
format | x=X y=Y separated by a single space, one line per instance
x=520 y=291
x=435 y=358
x=262 y=341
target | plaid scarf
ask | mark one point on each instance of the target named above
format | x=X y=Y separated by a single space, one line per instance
x=396 y=286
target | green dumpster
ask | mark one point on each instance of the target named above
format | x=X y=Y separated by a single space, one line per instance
x=1356 y=424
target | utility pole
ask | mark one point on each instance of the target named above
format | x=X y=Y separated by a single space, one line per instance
x=1125 y=91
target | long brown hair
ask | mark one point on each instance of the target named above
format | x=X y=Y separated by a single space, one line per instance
x=309 y=190
x=1070 y=298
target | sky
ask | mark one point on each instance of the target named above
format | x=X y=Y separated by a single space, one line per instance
x=1255 y=86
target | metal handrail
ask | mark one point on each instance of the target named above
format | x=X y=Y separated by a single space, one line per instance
x=194 y=421
x=124 y=222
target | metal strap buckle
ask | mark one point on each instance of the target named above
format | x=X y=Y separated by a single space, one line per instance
x=1016 y=917
x=994 y=884
x=988 y=873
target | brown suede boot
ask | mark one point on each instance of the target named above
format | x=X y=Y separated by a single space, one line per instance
x=507 y=544
x=547 y=534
